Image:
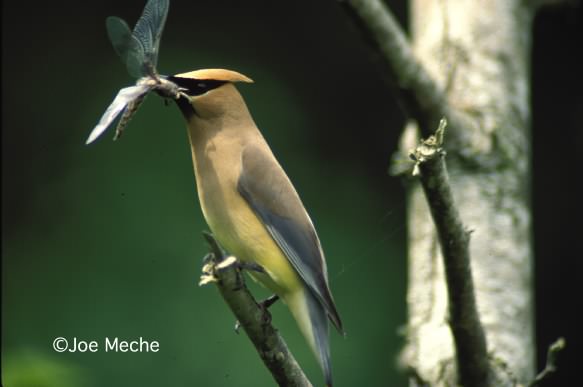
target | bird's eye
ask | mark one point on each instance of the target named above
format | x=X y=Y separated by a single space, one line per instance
x=195 y=86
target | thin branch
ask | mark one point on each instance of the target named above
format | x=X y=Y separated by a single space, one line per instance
x=551 y=366
x=423 y=99
x=253 y=318
x=468 y=334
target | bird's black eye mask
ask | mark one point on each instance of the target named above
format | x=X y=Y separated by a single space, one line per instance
x=193 y=87
x=196 y=87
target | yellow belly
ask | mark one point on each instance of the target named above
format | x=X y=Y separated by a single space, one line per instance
x=242 y=234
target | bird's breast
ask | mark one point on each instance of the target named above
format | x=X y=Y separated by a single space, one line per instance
x=234 y=223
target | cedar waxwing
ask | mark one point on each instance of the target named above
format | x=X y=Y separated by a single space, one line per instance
x=252 y=207
x=246 y=197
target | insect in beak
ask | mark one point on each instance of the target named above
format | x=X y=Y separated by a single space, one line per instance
x=138 y=49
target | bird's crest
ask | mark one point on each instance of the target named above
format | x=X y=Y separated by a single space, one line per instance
x=215 y=75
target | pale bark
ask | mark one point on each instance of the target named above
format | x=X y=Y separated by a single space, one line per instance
x=468 y=61
x=479 y=52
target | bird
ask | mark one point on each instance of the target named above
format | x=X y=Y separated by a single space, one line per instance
x=251 y=206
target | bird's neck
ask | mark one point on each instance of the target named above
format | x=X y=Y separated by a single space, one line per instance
x=220 y=133
x=219 y=141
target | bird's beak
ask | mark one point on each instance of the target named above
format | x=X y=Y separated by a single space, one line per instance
x=168 y=89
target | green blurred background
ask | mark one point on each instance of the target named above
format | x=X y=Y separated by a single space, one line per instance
x=105 y=240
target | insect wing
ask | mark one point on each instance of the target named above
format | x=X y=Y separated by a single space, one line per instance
x=148 y=32
x=119 y=34
x=121 y=100
x=125 y=45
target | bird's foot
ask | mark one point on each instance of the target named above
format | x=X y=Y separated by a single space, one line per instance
x=251 y=266
x=264 y=305
x=210 y=268
x=208 y=274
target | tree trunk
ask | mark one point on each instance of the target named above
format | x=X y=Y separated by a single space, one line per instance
x=479 y=52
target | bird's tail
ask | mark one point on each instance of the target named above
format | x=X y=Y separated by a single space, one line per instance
x=313 y=322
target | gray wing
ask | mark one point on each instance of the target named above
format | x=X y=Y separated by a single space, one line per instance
x=270 y=194
x=148 y=30
x=120 y=102
x=119 y=34
x=139 y=49
x=126 y=45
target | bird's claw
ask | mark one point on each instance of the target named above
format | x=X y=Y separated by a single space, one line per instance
x=208 y=274
x=225 y=263
x=210 y=268
x=251 y=266
x=265 y=304
x=208 y=258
